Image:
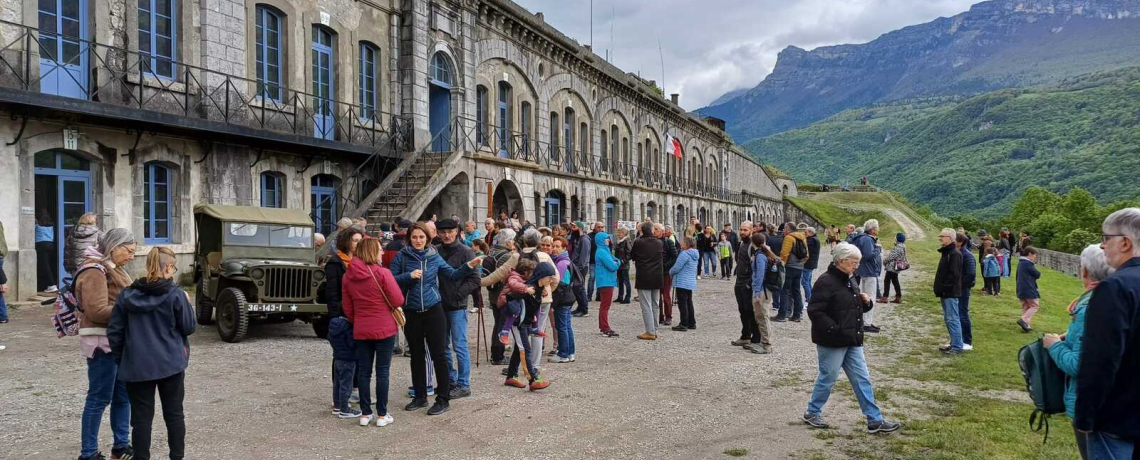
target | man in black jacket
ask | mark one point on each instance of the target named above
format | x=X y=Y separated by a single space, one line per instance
x=836 y=313
x=669 y=254
x=749 y=330
x=648 y=255
x=811 y=263
x=453 y=295
x=581 y=257
x=1108 y=392
x=948 y=287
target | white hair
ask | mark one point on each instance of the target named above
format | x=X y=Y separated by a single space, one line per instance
x=859 y=230
x=489 y=221
x=344 y=223
x=1094 y=263
x=504 y=236
x=531 y=237
x=1124 y=222
x=844 y=251
x=746 y=223
x=871 y=224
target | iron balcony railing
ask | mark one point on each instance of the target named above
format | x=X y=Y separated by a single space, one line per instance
x=466 y=135
x=46 y=62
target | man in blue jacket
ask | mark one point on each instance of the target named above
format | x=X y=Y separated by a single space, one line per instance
x=870 y=267
x=1108 y=382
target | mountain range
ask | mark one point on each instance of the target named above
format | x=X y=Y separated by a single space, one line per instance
x=995 y=45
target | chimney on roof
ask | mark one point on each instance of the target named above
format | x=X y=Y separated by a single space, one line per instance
x=589 y=48
x=675 y=97
x=539 y=16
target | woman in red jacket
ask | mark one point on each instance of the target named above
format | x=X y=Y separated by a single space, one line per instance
x=370 y=294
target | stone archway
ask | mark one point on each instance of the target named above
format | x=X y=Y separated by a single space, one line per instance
x=454 y=199
x=508 y=198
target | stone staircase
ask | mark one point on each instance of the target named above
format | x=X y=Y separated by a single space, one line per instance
x=394 y=202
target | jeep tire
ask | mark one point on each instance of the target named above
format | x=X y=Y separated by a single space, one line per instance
x=321 y=327
x=203 y=306
x=233 y=319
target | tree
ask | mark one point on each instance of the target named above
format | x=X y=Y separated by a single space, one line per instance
x=1035 y=203
x=1076 y=241
x=1079 y=206
x=1047 y=227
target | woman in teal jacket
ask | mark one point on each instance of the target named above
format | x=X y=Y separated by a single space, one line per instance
x=605 y=279
x=1066 y=351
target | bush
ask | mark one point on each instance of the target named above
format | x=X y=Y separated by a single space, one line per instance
x=1076 y=241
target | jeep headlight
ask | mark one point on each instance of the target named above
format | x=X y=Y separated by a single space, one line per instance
x=257 y=273
x=318 y=275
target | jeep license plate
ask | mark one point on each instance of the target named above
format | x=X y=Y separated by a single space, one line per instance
x=286 y=308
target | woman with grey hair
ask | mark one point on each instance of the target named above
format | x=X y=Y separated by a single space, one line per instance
x=98 y=281
x=836 y=313
x=529 y=240
x=1066 y=349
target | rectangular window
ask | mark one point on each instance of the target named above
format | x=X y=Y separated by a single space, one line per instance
x=368 y=55
x=270 y=190
x=156 y=203
x=268 y=52
x=157 y=37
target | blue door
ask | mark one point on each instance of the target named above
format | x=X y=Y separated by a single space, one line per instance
x=65 y=196
x=439 y=113
x=63 y=53
x=611 y=219
x=553 y=211
x=323 y=119
x=324 y=203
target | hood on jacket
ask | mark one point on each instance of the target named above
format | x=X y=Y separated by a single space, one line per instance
x=600 y=241
x=84 y=231
x=145 y=297
x=419 y=255
x=358 y=272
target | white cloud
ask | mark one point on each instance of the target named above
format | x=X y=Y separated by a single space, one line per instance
x=713 y=46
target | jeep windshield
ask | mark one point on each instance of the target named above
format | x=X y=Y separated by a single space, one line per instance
x=268 y=235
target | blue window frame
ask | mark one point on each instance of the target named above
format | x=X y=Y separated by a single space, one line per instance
x=268 y=52
x=156 y=203
x=63 y=47
x=324 y=122
x=158 y=36
x=524 y=127
x=441 y=70
x=368 y=58
x=323 y=200
x=271 y=190
x=504 y=117
x=481 y=115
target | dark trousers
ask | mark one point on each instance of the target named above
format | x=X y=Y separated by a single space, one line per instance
x=524 y=339
x=749 y=330
x=379 y=352
x=171 y=391
x=685 y=305
x=583 y=301
x=892 y=278
x=725 y=266
x=992 y=285
x=344 y=380
x=964 y=316
x=498 y=350
x=45 y=265
x=625 y=291
x=665 y=313
x=728 y=271
x=430 y=324
x=793 y=300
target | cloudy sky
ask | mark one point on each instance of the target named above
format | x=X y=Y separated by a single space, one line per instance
x=713 y=46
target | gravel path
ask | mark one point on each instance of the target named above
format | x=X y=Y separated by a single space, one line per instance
x=686 y=395
x=913 y=230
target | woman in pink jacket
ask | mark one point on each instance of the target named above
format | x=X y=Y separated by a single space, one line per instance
x=370 y=294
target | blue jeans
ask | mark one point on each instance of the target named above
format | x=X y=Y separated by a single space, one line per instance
x=964 y=317
x=3 y=305
x=590 y=282
x=380 y=352
x=457 y=341
x=953 y=324
x=793 y=302
x=806 y=282
x=565 y=331
x=103 y=388
x=851 y=360
x=344 y=376
x=625 y=290
x=1104 y=446
x=708 y=263
x=778 y=299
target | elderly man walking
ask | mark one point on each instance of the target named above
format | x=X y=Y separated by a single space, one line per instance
x=1107 y=391
x=648 y=254
x=870 y=267
x=948 y=288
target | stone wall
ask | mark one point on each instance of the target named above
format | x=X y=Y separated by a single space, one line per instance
x=793 y=213
x=1069 y=264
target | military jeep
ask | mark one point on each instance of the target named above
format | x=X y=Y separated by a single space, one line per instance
x=255 y=265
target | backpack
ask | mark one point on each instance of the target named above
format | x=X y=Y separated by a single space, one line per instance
x=65 y=321
x=564 y=293
x=1045 y=383
x=799 y=249
x=774 y=276
x=499 y=259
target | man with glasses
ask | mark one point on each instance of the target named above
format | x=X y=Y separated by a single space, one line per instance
x=1107 y=390
x=948 y=287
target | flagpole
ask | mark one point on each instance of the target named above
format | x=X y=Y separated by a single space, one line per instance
x=662 y=55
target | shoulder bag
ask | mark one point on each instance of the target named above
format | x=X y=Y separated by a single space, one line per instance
x=397 y=312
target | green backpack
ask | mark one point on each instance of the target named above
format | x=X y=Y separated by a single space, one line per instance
x=1045 y=382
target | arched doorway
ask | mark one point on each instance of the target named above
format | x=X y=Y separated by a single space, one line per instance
x=63 y=195
x=439 y=101
x=651 y=211
x=554 y=206
x=323 y=202
x=611 y=214
x=507 y=198
x=453 y=200
x=679 y=219
x=703 y=216
x=575 y=208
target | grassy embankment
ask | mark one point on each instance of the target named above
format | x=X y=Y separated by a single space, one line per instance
x=971 y=406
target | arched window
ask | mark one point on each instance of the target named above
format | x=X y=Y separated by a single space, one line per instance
x=369 y=57
x=267 y=49
x=441 y=69
x=156 y=203
x=158 y=36
x=272 y=193
x=480 y=115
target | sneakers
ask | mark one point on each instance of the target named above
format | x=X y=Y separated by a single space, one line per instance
x=539 y=334
x=883 y=426
x=667 y=322
x=796 y=319
x=412 y=391
x=335 y=410
x=385 y=420
x=580 y=314
x=897 y=300
x=679 y=328
x=741 y=342
x=881 y=300
x=953 y=351
x=95 y=456
x=440 y=406
x=557 y=360
x=473 y=310
x=397 y=351
x=125 y=453
x=698 y=276
x=778 y=319
x=816 y=420
x=871 y=328
x=552 y=353
x=573 y=358
x=647 y=336
x=1024 y=326
x=505 y=338
x=459 y=392
x=499 y=362
x=355 y=398
x=352 y=413
x=758 y=349
x=514 y=382
x=967 y=347
x=55 y=289
x=610 y=334
x=418 y=403
x=365 y=419
x=539 y=384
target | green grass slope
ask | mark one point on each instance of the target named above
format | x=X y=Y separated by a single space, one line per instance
x=978 y=155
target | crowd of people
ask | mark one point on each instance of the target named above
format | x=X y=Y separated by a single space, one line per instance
x=418 y=277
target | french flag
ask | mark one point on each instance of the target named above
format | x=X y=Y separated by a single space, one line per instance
x=673 y=146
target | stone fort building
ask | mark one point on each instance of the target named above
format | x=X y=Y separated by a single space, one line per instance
x=139 y=110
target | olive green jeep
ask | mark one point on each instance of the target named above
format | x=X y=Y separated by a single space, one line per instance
x=253 y=265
